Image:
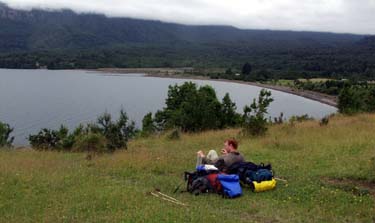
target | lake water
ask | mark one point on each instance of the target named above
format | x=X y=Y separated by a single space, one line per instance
x=35 y=99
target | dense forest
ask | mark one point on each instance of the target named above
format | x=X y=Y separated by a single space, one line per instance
x=67 y=40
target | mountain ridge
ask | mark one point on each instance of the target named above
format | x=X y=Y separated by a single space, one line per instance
x=91 y=30
x=65 y=39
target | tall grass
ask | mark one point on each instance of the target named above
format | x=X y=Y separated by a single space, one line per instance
x=66 y=187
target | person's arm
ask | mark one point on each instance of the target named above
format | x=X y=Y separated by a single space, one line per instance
x=203 y=157
x=224 y=152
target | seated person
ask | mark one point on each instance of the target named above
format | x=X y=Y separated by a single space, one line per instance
x=229 y=156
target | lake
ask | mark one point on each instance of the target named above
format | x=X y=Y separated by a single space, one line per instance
x=35 y=99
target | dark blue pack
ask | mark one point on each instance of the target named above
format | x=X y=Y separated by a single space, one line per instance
x=230 y=184
x=259 y=175
x=250 y=172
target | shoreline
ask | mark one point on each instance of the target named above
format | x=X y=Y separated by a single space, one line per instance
x=179 y=74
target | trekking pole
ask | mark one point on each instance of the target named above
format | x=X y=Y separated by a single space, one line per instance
x=168 y=196
x=178 y=187
x=168 y=199
x=276 y=178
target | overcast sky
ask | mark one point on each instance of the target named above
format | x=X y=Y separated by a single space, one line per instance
x=344 y=16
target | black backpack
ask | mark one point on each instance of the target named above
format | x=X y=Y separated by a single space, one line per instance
x=249 y=172
x=198 y=182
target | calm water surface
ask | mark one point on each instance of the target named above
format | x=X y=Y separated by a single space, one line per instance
x=35 y=99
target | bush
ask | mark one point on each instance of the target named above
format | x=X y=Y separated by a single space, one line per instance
x=324 y=121
x=117 y=132
x=279 y=120
x=48 y=139
x=372 y=169
x=300 y=118
x=349 y=101
x=148 y=125
x=5 y=131
x=254 y=120
x=174 y=135
x=356 y=98
x=115 y=135
x=90 y=142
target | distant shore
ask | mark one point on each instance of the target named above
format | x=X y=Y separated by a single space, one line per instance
x=180 y=73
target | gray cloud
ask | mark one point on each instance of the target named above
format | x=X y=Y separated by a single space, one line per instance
x=350 y=16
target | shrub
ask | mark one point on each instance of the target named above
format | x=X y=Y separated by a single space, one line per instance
x=148 y=125
x=66 y=140
x=90 y=142
x=117 y=132
x=324 y=121
x=174 y=135
x=5 y=131
x=355 y=99
x=254 y=120
x=372 y=169
x=279 y=120
x=349 y=101
x=46 y=139
x=87 y=138
x=300 y=118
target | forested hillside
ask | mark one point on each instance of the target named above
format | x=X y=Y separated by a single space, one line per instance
x=65 y=39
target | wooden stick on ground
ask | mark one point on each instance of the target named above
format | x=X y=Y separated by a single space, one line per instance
x=168 y=199
x=276 y=178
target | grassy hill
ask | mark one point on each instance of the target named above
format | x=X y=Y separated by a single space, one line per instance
x=330 y=172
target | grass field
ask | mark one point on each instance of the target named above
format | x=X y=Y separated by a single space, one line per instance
x=330 y=172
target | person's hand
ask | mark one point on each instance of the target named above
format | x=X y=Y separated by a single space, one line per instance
x=200 y=153
x=224 y=152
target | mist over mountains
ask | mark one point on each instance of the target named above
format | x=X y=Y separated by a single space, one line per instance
x=38 y=29
x=94 y=40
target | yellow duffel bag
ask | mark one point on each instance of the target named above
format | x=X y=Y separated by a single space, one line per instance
x=264 y=185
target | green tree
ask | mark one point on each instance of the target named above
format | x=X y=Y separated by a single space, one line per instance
x=5 y=131
x=160 y=120
x=148 y=125
x=349 y=101
x=91 y=142
x=370 y=100
x=246 y=68
x=117 y=132
x=254 y=120
x=208 y=108
x=46 y=139
x=190 y=109
x=200 y=111
x=230 y=117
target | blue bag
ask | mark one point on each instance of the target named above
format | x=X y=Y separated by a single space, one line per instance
x=230 y=185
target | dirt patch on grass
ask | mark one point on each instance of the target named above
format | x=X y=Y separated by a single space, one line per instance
x=357 y=187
